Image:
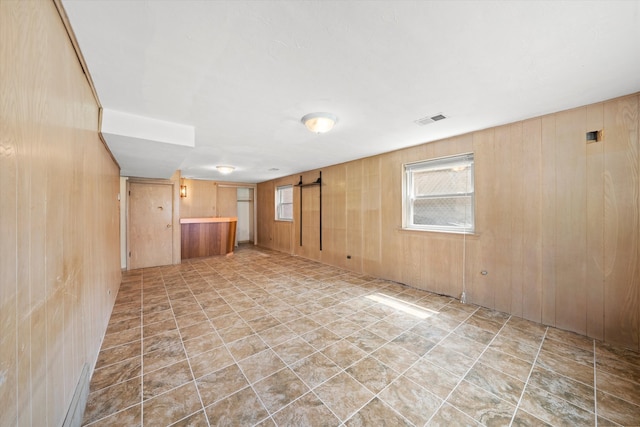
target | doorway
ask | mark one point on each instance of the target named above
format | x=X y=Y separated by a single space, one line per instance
x=150 y=225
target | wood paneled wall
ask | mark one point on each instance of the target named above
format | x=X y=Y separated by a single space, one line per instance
x=557 y=221
x=201 y=200
x=59 y=218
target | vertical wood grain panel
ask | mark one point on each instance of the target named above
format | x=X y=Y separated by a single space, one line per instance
x=571 y=227
x=500 y=220
x=354 y=215
x=59 y=187
x=595 y=225
x=481 y=289
x=201 y=200
x=391 y=214
x=371 y=221
x=516 y=198
x=227 y=199
x=13 y=145
x=621 y=222
x=548 y=217
x=532 y=220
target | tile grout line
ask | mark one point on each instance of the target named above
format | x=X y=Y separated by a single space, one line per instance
x=526 y=383
x=183 y=347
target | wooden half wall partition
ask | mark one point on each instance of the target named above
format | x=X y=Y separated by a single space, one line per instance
x=59 y=220
x=557 y=221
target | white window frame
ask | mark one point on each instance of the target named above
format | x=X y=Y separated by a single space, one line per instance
x=409 y=197
x=279 y=204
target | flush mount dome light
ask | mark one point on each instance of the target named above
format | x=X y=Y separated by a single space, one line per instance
x=319 y=122
x=225 y=170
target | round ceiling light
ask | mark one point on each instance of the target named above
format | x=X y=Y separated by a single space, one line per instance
x=319 y=122
x=225 y=170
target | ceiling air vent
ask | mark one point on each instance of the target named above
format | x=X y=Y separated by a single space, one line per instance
x=427 y=120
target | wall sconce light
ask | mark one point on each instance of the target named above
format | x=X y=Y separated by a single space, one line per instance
x=225 y=170
x=183 y=191
x=319 y=122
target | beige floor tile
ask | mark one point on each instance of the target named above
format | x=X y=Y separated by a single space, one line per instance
x=261 y=365
x=165 y=379
x=315 y=369
x=372 y=373
x=481 y=405
x=210 y=361
x=375 y=413
x=433 y=378
x=411 y=400
x=294 y=350
x=306 y=411
x=220 y=384
x=343 y=353
x=131 y=416
x=395 y=356
x=343 y=395
x=554 y=410
x=171 y=406
x=109 y=400
x=278 y=390
x=495 y=382
x=245 y=347
x=448 y=416
x=241 y=408
x=194 y=420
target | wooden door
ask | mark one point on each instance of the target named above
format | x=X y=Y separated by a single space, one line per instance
x=150 y=225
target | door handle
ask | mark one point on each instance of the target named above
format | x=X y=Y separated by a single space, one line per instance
x=168 y=225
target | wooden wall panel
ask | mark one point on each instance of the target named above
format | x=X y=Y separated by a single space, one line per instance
x=482 y=288
x=59 y=218
x=201 y=200
x=571 y=227
x=557 y=221
x=227 y=201
x=334 y=235
x=531 y=168
x=371 y=219
x=354 y=214
x=548 y=216
x=595 y=225
x=621 y=222
x=516 y=199
x=502 y=205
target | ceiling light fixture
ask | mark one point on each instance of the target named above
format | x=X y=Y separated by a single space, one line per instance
x=319 y=122
x=225 y=170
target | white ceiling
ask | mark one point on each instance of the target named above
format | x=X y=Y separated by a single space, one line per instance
x=243 y=73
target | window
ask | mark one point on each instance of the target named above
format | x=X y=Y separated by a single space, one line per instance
x=439 y=195
x=284 y=203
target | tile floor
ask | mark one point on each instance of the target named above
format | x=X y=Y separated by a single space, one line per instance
x=262 y=338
